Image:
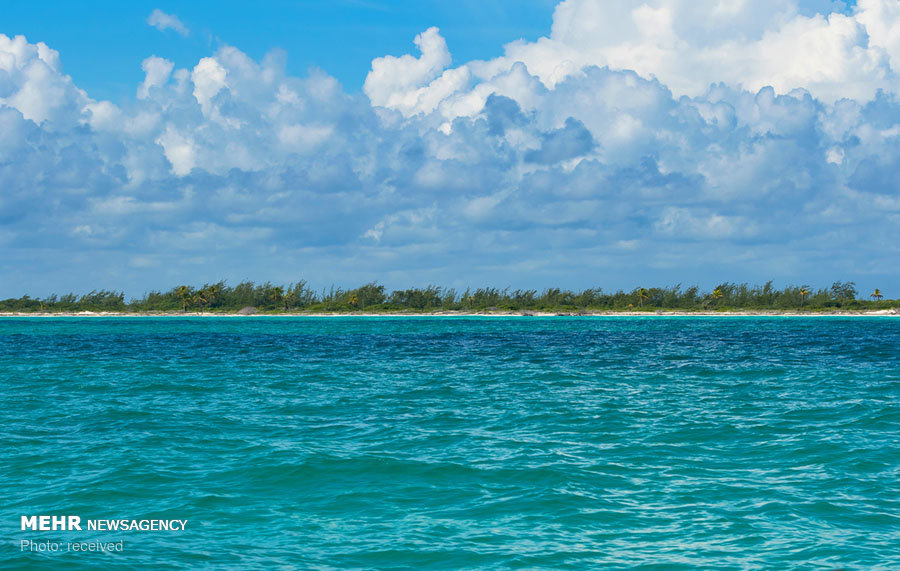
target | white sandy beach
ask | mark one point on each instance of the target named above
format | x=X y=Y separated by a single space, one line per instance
x=873 y=313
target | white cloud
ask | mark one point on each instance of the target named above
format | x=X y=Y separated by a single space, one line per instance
x=686 y=44
x=103 y=116
x=304 y=137
x=881 y=19
x=162 y=22
x=208 y=78
x=399 y=82
x=682 y=222
x=483 y=171
x=157 y=72
x=180 y=150
x=31 y=80
x=834 y=155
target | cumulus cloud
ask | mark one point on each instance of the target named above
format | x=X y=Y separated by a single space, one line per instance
x=157 y=72
x=482 y=173
x=31 y=82
x=208 y=78
x=687 y=45
x=414 y=84
x=162 y=22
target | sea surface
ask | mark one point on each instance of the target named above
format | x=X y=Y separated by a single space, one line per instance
x=455 y=443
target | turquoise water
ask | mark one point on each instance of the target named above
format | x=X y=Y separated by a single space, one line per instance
x=560 y=443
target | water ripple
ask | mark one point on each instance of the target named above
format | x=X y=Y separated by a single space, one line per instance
x=614 y=443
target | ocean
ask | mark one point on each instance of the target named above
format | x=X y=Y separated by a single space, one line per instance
x=452 y=443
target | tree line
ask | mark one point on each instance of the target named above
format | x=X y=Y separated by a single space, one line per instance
x=373 y=297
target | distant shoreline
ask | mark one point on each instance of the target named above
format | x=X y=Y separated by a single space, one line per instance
x=373 y=299
x=656 y=313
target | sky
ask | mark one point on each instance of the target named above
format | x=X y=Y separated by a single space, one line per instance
x=585 y=143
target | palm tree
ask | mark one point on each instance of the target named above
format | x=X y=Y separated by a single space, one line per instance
x=804 y=291
x=200 y=298
x=716 y=295
x=642 y=295
x=354 y=301
x=876 y=295
x=184 y=292
x=213 y=293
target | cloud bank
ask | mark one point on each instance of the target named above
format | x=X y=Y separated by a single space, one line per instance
x=639 y=142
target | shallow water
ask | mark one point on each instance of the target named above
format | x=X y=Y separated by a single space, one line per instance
x=645 y=442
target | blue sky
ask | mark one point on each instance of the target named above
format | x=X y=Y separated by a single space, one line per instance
x=339 y=36
x=530 y=144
